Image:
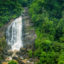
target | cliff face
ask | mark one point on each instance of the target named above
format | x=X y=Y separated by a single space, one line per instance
x=29 y=35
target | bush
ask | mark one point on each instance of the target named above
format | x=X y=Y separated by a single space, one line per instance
x=61 y=62
x=13 y=62
x=30 y=53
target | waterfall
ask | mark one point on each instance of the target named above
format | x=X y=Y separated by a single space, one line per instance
x=14 y=34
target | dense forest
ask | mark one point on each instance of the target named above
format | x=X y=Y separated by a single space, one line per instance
x=47 y=17
x=9 y=9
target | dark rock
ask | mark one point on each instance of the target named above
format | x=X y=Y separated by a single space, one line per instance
x=15 y=58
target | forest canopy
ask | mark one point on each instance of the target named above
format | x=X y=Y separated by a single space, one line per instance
x=9 y=9
x=48 y=19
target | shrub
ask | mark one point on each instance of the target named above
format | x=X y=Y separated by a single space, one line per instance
x=13 y=62
x=30 y=53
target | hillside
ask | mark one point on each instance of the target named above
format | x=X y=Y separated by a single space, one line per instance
x=47 y=19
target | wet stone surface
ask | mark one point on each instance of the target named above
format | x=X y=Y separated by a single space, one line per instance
x=29 y=35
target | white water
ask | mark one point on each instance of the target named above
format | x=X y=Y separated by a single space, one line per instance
x=14 y=34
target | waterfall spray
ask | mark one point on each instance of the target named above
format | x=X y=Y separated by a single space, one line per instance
x=14 y=34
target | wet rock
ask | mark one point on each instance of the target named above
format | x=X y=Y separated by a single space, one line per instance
x=16 y=58
x=29 y=35
x=31 y=59
x=23 y=49
x=26 y=61
x=21 y=58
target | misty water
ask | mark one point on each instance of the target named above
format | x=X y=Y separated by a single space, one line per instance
x=14 y=34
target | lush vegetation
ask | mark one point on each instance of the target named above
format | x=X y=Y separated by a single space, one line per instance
x=25 y=3
x=48 y=19
x=13 y=62
x=9 y=9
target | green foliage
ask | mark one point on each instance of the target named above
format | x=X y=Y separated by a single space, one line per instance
x=47 y=58
x=25 y=3
x=48 y=19
x=13 y=62
x=61 y=62
x=30 y=53
x=61 y=58
x=9 y=9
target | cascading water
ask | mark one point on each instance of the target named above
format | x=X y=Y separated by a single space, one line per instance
x=14 y=34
